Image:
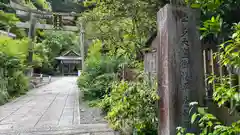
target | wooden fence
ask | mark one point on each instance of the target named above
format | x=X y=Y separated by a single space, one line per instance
x=228 y=112
x=212 y=67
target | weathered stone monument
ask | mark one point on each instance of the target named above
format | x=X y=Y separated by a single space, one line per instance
x=180 y=75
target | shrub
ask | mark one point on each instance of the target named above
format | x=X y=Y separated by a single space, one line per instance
x=122 y=101
x=11 y=47
x=99 y=73
x=225 y=91
x=96 y=80
x=17 y=84
x=209 y=124
x=132 y=105
x=13 y=81
x=3 y=88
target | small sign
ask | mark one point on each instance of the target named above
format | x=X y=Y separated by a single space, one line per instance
x=21 y=13
x=57 y=21
x=79 y=72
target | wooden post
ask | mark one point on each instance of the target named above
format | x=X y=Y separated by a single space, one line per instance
x=180 y=67
x=62 y=68
x=31 y=34
x=82 y=44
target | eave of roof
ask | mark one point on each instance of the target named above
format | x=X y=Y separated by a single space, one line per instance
x=68 y=58
x=66 y=53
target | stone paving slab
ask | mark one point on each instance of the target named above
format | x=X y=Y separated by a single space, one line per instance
x=54 y=104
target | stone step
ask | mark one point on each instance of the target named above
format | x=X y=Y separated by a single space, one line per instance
x=83 y=129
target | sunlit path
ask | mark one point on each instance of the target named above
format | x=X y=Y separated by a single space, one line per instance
x=48 y=108
x=53 y=104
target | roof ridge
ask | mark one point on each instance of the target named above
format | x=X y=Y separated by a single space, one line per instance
x=69 y=51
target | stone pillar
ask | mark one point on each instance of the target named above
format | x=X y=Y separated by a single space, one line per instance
x=180 y=70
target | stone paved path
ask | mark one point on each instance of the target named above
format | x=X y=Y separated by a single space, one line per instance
x=51 y=109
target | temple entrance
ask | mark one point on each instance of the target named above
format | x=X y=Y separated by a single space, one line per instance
x=70 y=63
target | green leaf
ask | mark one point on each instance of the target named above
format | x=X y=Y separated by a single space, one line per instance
x=195 y=5
x=194 y=117
x=201 y=110
x=203 y=29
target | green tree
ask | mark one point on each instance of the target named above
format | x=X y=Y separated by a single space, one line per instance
x=54 y=45
x=18 y=48
x=123 y=26
x=12 y=57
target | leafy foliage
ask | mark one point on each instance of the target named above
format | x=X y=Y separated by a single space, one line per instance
x=209 y=124
x=8 y=19
x=99 y=72
x=54 y=45
x=13 y=81
x=17 y=83
x=42 y=4
x=67 y=6
x=120 y=29
x=12 y=47
x=3 y=88
x=131 y=105
x=19 y=48
x=217 y=20
x=223 y=91
x=123 y=26
x=12 y=57
x=122 y=101
x=229 y=56
x=7 y=23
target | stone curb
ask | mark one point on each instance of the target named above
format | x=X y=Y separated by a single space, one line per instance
x=83 y=128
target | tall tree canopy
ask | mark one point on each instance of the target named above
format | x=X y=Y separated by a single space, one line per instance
x=123 y=26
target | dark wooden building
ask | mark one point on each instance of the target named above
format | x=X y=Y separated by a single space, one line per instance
x=70 y=63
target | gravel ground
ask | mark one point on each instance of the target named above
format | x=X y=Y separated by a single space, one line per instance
x=90 y=115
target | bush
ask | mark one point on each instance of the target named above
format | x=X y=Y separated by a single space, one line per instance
x=208 y=123
x=122 y=101
x=3 y=89
x=132 y=105
x=99 y=73
x=17 y=84
x=225 y=92
x=13 y=81
x=96 y=80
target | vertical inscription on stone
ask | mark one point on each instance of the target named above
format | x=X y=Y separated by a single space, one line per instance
x=185 y=71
